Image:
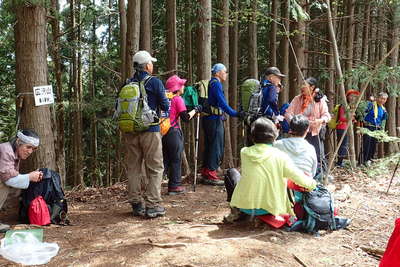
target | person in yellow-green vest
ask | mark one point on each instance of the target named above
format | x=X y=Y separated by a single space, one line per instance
x=375 y=119
x=265 y=170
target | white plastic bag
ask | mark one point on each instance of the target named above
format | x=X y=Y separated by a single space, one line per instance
x=28 y=250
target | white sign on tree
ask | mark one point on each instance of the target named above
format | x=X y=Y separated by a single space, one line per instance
x=43 y=95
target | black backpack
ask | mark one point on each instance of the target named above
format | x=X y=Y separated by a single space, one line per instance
x=51 y=190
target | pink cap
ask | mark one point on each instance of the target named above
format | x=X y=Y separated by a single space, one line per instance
x=174 y=83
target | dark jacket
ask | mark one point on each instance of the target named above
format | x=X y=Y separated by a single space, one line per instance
x=269 y=104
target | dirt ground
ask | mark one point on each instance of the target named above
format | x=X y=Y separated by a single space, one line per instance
x=192 y=233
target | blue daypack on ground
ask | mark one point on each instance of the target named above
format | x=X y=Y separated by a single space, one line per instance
x=319 y=211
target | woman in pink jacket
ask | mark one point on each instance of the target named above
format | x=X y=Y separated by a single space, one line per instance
x=310 y=104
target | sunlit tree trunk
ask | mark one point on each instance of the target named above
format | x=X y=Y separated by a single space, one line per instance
x=31 y=70
x=132 y=34
x=146 y=26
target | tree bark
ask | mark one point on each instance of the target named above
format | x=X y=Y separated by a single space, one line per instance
x=233 y=74
x=122 y=36
x=252 y=60
x=59 y=123
x=284 y=51
x=146 y=26
x=366 y=29
x=132 y=34
x=31 y=70
x=172 y=53
x=274 y=30
x=204 y=41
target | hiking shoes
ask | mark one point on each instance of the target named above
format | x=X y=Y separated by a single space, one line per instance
x=208 y=181
x=157 y=211
x=4 y=227
x=138 y=209
x=176 y=190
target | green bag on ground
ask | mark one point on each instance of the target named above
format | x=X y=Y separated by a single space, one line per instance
x=8 y=239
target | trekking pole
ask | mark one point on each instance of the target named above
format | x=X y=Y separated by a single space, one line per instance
x=196 y=151
x=394 y=172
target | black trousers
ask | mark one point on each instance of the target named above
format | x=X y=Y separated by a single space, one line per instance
x=213 y=143
x=172 y=152
x=343 y=147
x=319 y=149
x=369 y=145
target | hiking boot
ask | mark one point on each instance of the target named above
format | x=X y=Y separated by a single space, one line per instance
x=176 y=190
x=4 y=227
x=209 y=181
x=138 y=209
x=157 y=211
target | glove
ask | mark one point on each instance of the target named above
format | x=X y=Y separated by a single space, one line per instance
x=242 y=115
x=280 y=118
x=198 y=108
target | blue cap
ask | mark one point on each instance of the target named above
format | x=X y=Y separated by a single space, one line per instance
x=217 y=68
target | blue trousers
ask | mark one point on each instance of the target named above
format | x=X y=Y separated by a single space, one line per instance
x=369 y=145
x=343 y=147
x=213 y=143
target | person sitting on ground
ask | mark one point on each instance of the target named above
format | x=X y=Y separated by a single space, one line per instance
x=11 y=153
x=262 y=188
x=298 y=149
x=173 y=140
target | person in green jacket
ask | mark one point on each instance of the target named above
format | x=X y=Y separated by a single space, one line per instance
x=264 y=173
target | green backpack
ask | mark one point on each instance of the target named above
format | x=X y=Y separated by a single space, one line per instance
x=132 y=110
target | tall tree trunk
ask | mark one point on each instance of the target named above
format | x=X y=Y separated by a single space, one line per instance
x=204 y=40
x=146 y=26
x=31 y=70
x=349 y=67
x=233 y=74
x=122 y=36
x=284 y=51
x=274 y=30
x=59 y=124
x=172 y=53
x=366 y=31
x=132 y=34
x=93 y=120
x=394 y=60
x=223 y=57
x=252 y=60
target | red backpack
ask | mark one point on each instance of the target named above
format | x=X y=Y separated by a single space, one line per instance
x=38 y=212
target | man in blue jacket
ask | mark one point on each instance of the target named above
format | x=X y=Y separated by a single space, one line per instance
x=270 y=86
x=213 y=126
x=374 y=120
x=146 y=147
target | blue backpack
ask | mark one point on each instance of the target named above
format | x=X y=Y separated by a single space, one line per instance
x=319 y=208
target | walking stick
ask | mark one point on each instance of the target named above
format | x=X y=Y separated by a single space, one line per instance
x=196 y=151
x=394 y=172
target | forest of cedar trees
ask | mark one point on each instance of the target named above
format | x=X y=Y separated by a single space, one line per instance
x=84 y=49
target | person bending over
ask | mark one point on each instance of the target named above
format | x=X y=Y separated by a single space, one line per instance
x=11 y=153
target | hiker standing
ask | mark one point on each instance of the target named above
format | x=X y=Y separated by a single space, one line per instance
x=11 y=153
x=310 y=104
x=271 y=86
x=213 y=125
x=342 y=125
x=146 y=146
x=173 y=140
x=375 y=119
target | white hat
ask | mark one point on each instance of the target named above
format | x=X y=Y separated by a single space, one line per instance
x=143 y=57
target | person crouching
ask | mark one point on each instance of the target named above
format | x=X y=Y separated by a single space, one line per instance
x=262 y=188
x=11 y=153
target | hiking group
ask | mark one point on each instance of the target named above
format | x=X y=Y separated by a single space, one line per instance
x=277 y=177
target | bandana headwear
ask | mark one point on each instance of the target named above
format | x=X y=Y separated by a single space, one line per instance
x=28 y=139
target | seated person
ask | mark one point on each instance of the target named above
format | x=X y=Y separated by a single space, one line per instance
x=262 y=188
x=298 y=149
x=11 y=153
